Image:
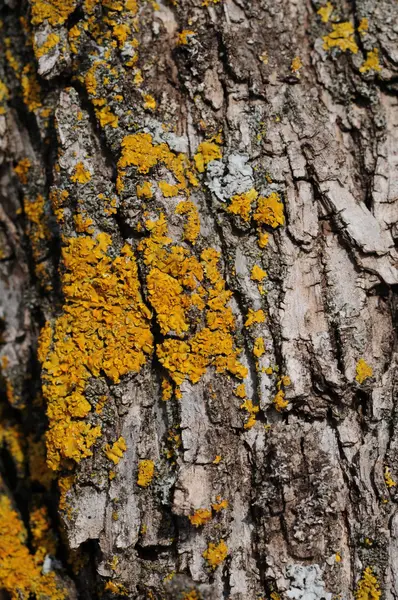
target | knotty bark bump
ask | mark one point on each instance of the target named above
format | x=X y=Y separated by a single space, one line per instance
x=198 y=273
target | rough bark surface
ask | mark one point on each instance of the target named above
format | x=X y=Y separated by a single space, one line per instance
x=104 y=105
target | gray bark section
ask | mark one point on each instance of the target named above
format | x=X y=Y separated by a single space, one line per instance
x=311 y=486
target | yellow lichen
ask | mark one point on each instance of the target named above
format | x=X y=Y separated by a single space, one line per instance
x=280 y=402
x=363 y=26
x=258 y=274
x=240 y=391
x=387 y=478
x=252 y=411
x=262 y=239
x=182 y=38
x=55 y=12
x=269 y=211
x=363 y=371
x=22 y=170
x=259 y=348
x=116 y=451
x=372 y=62
x=116 y=588
x=175 y=282
x=217 y=460
x=144 y=190
x=50 y=43
x=20 y=571
x=368 y=587
x=168 y=190
x=149 y=102
x=219 y=504
x=146 y=472
x=200 y=517
x=106 y=117
x=341 y=37
x=30 y=88
x=81 y=174
x=216 y=554
x=254 y=316
x=241 y=204
x=192 y=227
x=296 y=64
x=207 y=152
x=167 y=390
x=325 y=12
x=104 y=328
x=139 y=151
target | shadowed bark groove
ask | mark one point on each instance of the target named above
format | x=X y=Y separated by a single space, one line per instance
x=198 y=230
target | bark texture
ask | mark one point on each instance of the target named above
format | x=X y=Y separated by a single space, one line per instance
x=273 y=125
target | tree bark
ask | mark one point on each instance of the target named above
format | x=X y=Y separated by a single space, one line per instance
x=199 y=275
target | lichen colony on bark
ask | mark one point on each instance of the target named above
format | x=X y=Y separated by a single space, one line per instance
x=198 y=291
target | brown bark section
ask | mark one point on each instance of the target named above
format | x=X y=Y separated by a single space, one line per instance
x=310 y=502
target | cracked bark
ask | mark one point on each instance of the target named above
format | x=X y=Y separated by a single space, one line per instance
x=306 y=485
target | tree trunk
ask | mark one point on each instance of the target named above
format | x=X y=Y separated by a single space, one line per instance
x=199 y=211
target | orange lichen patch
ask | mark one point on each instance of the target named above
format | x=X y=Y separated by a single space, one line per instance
x=219 y=504
x=55 y=12
x=149 y=102
x=258 y=274
x=341 y=37
x=191 y=595
x=90 y=80
x=20 y=571
x=50 y=43
x=208 y=2
x=240 y=391
x=57 y=199
x=106 y=117
x=372 y=62
x=43 y=539
x=259 y=348
x=368 y=587
x=116 y=588
x=262 y=239
x=139 y=151
x=192 y=227
x=116 y=451
x=38 y=468
x=182 y=38
x=217 y=460
x=252 y=411
x=166 y=297
x=325 y=12
x=280 y=402
x=387 y=478
x=207 y=151
x=363 y=26
x=146 y=472
x=30 y=88
x=38 y=230
x=64 y=485
x=144 y=190
x=167 y=390
x=296 y=64
x=121 y=32
x=83 y=223
x=104 y=328
x=81 y=175
x=22 y=169
x=176 y=280
x=254 y=316
x=11 y=437
x=200 y=517
x=269 y=211
x=363 y=371
x=241 y=204
x=216 y=554
x=168 y=190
